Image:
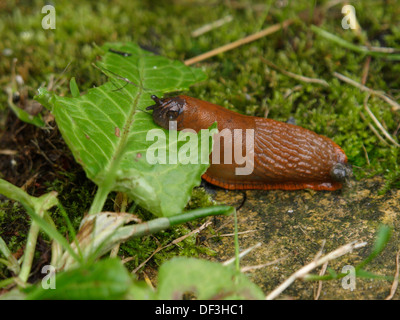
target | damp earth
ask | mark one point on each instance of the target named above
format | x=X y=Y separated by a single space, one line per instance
x=292 y=226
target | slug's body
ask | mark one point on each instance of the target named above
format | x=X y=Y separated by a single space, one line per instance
x=285 y=156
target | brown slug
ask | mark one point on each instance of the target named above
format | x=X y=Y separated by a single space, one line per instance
x=286 y=156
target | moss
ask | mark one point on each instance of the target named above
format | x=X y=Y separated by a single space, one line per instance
x=200 y=199
x=141 y=249
x=13 y=224
x=14 y=227
x=75 y=193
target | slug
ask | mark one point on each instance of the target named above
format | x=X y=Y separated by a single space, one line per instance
x=285 y=156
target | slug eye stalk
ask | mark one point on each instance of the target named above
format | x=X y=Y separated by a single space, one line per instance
x=157 y=100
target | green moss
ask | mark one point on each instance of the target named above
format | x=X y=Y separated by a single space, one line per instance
x=75 y=193
x=14 y=224
x=142 y=248
x=14 y=227
x=200 y=199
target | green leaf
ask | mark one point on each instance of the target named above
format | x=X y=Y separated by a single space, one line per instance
x=106 y=130
x=140 y=290
x=106 y=279
x=385 y=53
x=22 y=114
x=26 y=117
x=370 y=275
x=383 y=236
x=207 y=280
x=73 y=86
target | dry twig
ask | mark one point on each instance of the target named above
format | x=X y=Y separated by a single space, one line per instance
x=210 y=26
x=365 y=70
x=383 y=96
x=378 y=124
x=272 y=29
x=374 y=130
x=176 y=241
x=321 y=273
x=8 y=152
x=242 y=254
x=301 y=273
x=232 y=234
x=396 y=279
x=249 y=268
x=295 y=76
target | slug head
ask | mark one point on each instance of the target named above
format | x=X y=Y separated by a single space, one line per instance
x=166 y=110
x=342 y=172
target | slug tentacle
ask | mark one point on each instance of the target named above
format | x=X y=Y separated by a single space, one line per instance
x=157 y=101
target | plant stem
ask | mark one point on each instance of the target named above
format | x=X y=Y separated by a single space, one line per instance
x=5 y=262
x=237 y=260
x=155 y=225
x=40 y=205
x=29 y=252
x=99 y=200
x=11 y=262
x=199 y=213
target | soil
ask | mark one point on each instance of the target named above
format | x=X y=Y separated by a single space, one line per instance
x=294 y=224
x=34 y=155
